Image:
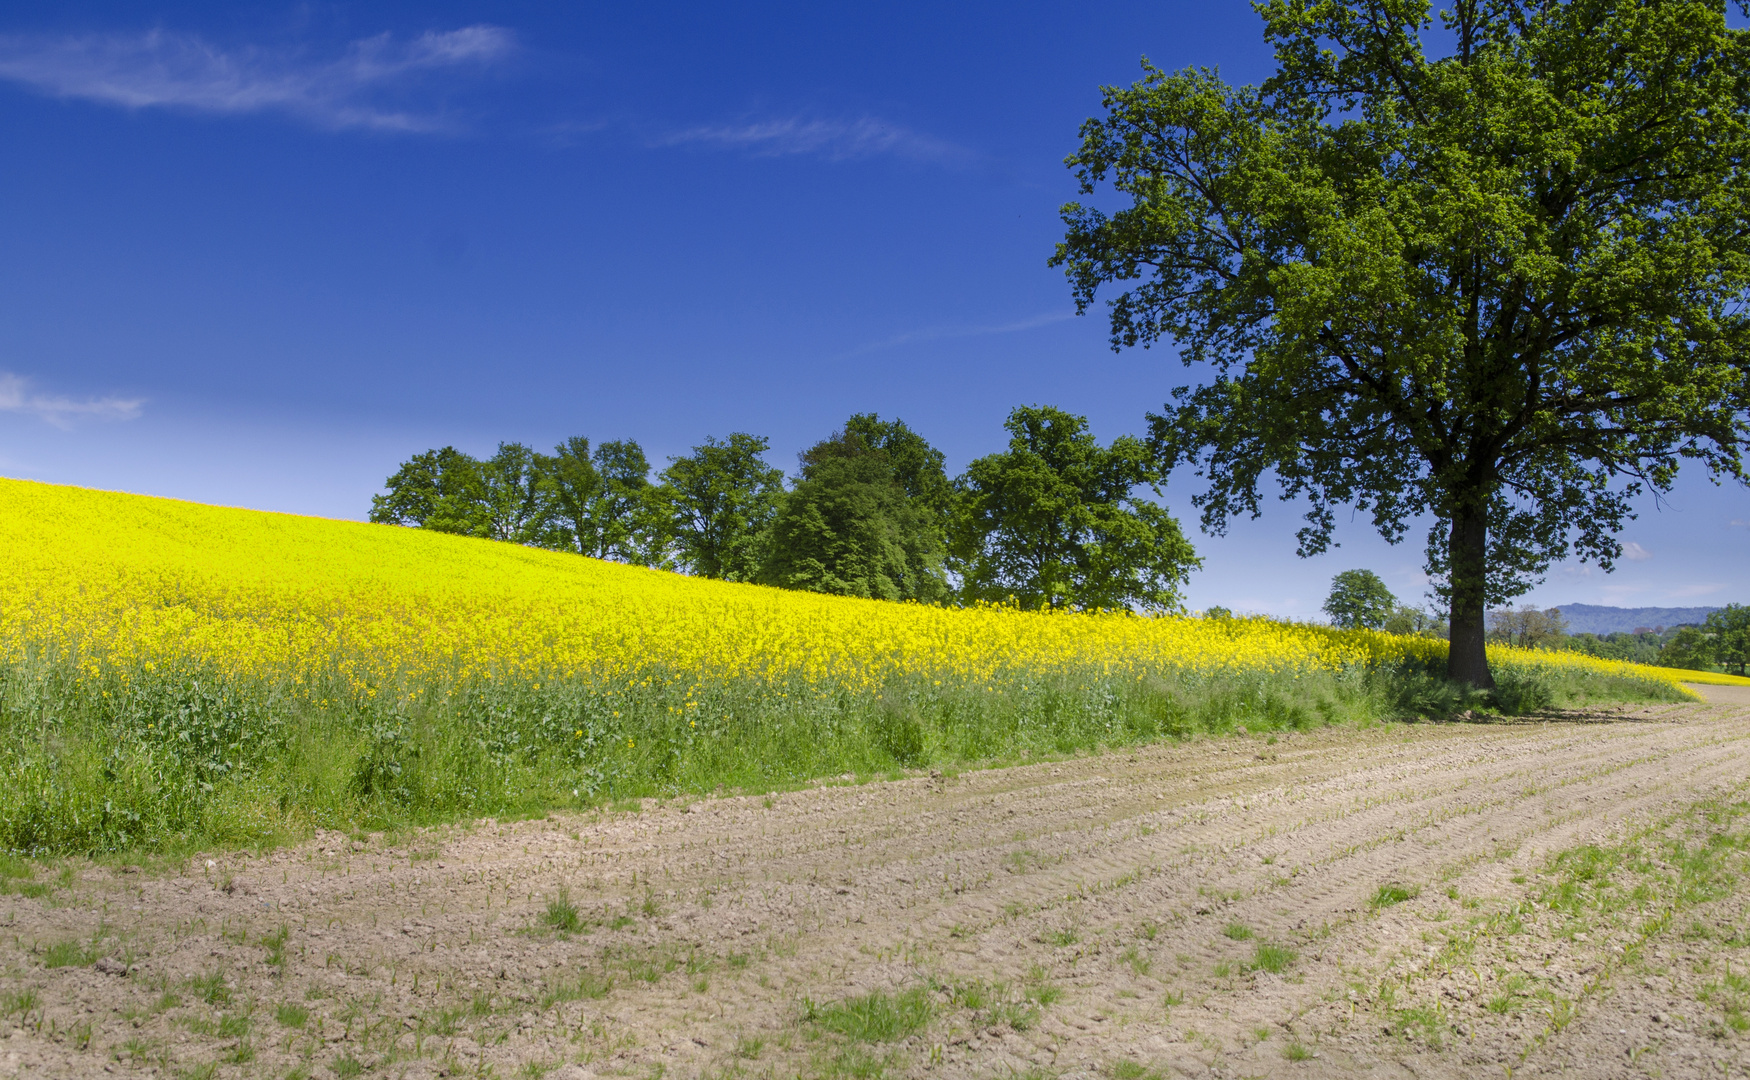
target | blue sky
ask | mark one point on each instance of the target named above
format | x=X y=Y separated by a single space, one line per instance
x=256 y=255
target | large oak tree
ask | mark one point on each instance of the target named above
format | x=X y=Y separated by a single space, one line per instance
x=1487 y=268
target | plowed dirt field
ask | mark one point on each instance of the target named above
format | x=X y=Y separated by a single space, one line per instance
x=1555 y=897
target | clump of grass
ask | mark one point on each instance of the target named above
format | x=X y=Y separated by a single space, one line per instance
x=1139 y=963
x=1237 y=932
x=67 y=953
x=1391 y=894
x=562 y=913
x=275 y=944
x=1295 y=1051
x=874 y=1017
x=18 y=1002
x=1272 y=958
x=290 y=1015
x=587 y=986
x=210 y=987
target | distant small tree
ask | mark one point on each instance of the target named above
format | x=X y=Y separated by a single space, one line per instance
x=442 y=490
x=849 y=527
x=1055 y=522
x=1414 y=621
x=1689 y=648
x=721 y=499
x=1730 y=627
x=1528 y=628
x=1359 y=599
x=1216 y=611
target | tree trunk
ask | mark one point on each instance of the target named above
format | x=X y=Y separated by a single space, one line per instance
x=1467 y=661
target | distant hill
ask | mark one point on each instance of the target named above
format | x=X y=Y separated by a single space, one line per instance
x=1597 y=619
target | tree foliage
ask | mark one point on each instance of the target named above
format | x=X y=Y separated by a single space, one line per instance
x=1055 y=522
x=603 y=504
x=721 y=499
x=438 y=490
x=1485 y=270
x=1529 y=627
x=1359 y=599
x=1730 y=627
x=1690 y=647
x=851 y=527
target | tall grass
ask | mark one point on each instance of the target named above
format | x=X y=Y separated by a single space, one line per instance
x=167 y=758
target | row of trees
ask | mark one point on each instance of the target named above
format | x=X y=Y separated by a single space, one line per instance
x=1055 y=521
x=1359 y=598
x=1723 y=641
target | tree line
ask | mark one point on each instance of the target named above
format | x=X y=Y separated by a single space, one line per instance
x=1359 y=598
x=1054 y=521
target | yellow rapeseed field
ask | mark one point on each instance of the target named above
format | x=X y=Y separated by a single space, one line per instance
x=175 y=675
x=125 y=581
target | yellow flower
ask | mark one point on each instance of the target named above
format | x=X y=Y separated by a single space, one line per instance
x=127 y=585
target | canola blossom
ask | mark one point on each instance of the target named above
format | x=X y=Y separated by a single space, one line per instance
x=128 y=582
x=173 y=674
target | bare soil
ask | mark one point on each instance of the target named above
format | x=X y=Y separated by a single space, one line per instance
x=1340 y=902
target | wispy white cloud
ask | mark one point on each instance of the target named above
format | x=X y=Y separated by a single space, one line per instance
x=1634 y=552
x=16 y=396
x=835 y=140
x=941 y=333
x=161 y=69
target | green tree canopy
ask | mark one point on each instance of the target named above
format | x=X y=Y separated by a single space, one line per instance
x=849 y=526
x=1359 y=599
x=917 y=466
x=1529 y=628
x=514 y=505
x=1486 y=270
x=1690 y=647
x=1730 y=627
x=439 y=489
x=1055 y=522
x=721 y=499
x=602 y=503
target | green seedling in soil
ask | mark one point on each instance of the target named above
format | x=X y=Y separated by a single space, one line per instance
x=1272 y=958
x=292 y=1016
x=874 y=1017
x=275 y=944
x=69 y=953
x=1390 y=895
x=210 y=988
x=1139 y=963
x=562 y=913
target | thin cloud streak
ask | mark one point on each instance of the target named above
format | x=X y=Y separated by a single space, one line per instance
x=834 y=140
x=16 y=396
x=161 y=69
x=942 y=333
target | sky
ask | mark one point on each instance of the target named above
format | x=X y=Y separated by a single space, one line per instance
x=257 y=255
